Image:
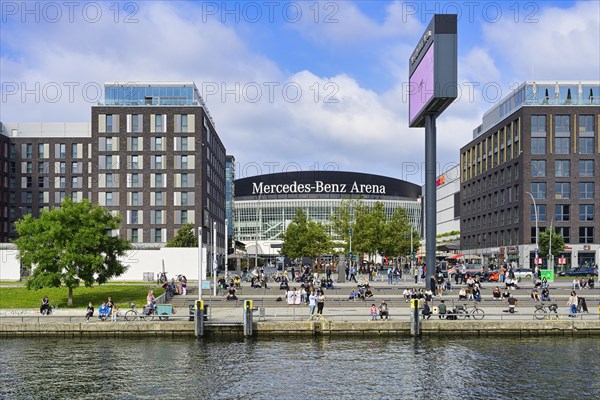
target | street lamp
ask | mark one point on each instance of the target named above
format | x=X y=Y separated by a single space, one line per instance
x=550 y=257
x=257 y=231
x=536 y=226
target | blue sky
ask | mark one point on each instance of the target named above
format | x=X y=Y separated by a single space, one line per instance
x=337 y=71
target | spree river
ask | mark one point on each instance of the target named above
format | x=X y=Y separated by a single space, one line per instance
x=301 y=368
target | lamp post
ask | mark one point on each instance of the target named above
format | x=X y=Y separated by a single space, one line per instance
x=257 y=232
x=200 y=263
x=214 y=258
x=550 y=257
x=226 y=247
x=536 y=226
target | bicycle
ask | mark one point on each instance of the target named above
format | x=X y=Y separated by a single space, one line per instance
x=542 y=311
x=465 y=311
x=133 y=314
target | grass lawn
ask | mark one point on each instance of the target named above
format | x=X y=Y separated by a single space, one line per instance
x=122 y=294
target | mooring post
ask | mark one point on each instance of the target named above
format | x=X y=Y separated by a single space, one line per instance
x=247 y=318
x=415 y=321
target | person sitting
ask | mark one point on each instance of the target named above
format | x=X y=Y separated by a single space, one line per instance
x=284 y=285
x=368 y=293
x=352 y=295
x=114 y=313
x=383 y=310
x=505 y=294
x=583 y=283
x=237 y=282
x=476 y=294
x=89 y=312
x=103 y=311
x=545 y=283
x=45 y=308
x=535 y=295
x=512 y=303
x=545 y=294
x=537 y=283
x=231 y=293
x=591 y=282
x=428 y=295
x=511 y=283
x=361 y=294
x=576 y=284
x=222 y=283
x=406 y=294
x=329 y=283
x=496 y=293
x=254 y=282
x=426 y=311
x=470 y=294
x=442 y=309
x=462 y=294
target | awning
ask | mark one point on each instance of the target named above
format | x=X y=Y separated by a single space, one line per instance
x=456 y=256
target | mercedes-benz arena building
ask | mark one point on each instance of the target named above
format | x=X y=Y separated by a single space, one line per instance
x=265 y=204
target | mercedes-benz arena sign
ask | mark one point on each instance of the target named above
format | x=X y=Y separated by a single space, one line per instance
x=315 y=184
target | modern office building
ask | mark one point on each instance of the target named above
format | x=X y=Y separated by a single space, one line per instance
x=266 y=204
x=151 y=154
x=533 y=162
x=229 y=194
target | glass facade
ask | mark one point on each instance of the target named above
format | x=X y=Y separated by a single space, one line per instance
x=266 y=220
x=229 y=192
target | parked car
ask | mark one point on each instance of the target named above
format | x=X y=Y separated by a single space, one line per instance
x=523 y=273
x=579 y=271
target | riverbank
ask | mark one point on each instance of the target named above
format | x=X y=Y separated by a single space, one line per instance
x=271 y=329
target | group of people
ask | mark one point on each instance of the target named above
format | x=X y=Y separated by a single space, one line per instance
x=381 y=311
x=175 y=287
x=583 y=283
x=108 y=309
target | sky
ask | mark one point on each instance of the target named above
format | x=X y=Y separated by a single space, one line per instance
x=292 y=86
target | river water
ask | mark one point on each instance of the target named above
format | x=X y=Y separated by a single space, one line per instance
x=301 y=368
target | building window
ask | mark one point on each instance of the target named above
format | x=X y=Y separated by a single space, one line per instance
x=586 y=124
x=562 y=212
x=109 y=123
x=184 y=123
x=134 y=216
x=184 y=143
x=62 y=182
x=158 y=180
x=562 y=190
x=109 y=143
x=75 y=167
x=135 y=123
x=157 y=235
x=62 y=167
x=586 y=190
x=135 y=199
x=134 y=162
x=41 y=182
x=135 y=143
x=586 y=212
x=586 y=234
x=62 y=150
x=538 y=168
x=109 y=162
x=110 y=180
x=562 y=145
x=41 y=150
x=28 y=150
x=76 y=182
x=109 y=198
x=541 y=208
x=184 y=162
x=157 y=217
x=184 y=217
x=586 y=168
x=74 y=152
x=538 y=145
x=184 y=180
x=538 y=123
x=158 y=199
x=158 y=143
x=157 y=162
x=135 y=238
x=158 y=123
x=586 y=145
x=29 y=167
x=565 y=232
x=135 y=180
x=562 y=168
x=562 y=123
x=42 y=167
x=538 y=190
x=184 y=198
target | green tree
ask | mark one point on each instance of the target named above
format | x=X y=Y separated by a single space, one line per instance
x=70 y=245
x=305 y=238
x=396 y=238
x=558 y=243
x=343 y=223
x=369 y=228
x=185 y=237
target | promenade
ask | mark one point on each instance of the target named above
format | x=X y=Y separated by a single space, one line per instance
x=341 y=315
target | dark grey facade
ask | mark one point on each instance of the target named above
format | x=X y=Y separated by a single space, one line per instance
x=158 y=166
x=547 y=151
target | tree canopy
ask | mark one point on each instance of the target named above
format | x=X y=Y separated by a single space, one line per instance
x=70 y=245
x=558 y=243
x=185 y=237
x=305 y=238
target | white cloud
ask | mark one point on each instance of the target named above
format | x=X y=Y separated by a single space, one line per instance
x=562 y=44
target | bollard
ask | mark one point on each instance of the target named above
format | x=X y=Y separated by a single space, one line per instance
x=415 y=322
x=247 y=318
x=199 y=325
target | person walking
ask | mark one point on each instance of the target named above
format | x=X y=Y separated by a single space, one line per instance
x=312 y=302
x=416 y=274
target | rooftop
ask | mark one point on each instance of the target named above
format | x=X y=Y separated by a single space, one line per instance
x=542 y=93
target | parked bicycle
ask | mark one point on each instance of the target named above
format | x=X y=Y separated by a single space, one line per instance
x=133 y=314
x=466 y=311
x=542 y=311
